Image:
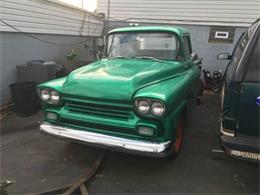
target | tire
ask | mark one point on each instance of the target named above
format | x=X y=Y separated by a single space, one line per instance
x=200 y=93
x=177 y=145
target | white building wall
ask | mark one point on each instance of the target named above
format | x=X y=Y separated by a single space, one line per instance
x=54 y=31
x=48 y=17
x=198 y=12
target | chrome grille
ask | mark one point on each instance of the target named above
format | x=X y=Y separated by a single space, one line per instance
x=103 y=110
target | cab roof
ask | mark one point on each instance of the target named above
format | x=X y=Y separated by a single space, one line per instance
x=178 y=30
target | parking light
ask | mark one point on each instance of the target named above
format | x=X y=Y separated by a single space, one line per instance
x=144 y=130
x=51 y=116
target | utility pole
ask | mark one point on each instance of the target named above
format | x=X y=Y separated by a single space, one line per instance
x=108 y=12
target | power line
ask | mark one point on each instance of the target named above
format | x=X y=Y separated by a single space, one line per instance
x=82 y=25
x=45 y=41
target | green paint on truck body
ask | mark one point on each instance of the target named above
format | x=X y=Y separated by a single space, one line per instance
x=107 y=89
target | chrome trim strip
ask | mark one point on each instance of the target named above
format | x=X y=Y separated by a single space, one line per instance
x=246 y=48
x=105 y=140
x=222 y=130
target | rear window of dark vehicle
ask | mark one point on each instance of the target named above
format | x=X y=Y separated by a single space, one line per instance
x=236 y=55
x=253 y=71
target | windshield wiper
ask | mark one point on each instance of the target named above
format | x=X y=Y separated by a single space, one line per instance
x=138 y=57
x=148 y=57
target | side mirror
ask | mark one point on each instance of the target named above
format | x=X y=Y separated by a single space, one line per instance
x=224 y=56
x=99 y=55
x=196 y=59
x=194 y=56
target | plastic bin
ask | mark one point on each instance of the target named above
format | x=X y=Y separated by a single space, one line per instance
x=37 y=71
x=25 y=98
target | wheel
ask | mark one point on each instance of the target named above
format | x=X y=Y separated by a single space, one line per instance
x=200 y=93
x=177 y=145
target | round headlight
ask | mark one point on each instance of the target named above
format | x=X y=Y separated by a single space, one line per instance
x=143 y=106
x=45 y=95
x=158 y=108
x=54 y=97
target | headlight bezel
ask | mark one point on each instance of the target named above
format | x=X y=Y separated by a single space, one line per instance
x=162 y=105
x=47 y=94
x=151 y=102
x=50 y=100
x=54 y=97
x=138 y=106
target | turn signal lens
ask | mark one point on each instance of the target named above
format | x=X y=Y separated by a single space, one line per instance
x=51 y=116
x=143 y=130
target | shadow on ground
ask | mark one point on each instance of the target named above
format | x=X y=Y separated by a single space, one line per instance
x=38 y=162
x=193 y=172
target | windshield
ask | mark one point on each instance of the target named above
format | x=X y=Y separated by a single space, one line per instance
x=157 y=45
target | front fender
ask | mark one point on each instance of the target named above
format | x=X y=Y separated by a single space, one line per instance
x=55 y=84
x=173 y=92
x=176 y=93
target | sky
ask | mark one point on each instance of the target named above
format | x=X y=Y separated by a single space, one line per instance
x=89 y=5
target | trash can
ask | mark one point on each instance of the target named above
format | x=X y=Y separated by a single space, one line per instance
x=37 y=71
x=25 y=98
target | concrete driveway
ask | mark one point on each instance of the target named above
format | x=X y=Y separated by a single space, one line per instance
x=37 y=162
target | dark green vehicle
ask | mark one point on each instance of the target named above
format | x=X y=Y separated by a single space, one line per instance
x=241 y=97
x=135 y=99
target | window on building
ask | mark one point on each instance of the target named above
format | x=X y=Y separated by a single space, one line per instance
x=89 y=5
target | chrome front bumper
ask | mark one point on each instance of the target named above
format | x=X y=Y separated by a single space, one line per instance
x=96 y=139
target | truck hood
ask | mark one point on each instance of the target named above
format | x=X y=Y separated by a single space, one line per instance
x=118 y=79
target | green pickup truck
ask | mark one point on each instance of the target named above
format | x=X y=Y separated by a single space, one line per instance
x=135 y=99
